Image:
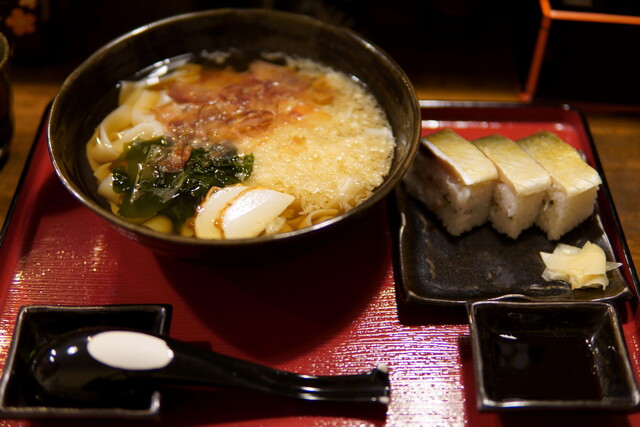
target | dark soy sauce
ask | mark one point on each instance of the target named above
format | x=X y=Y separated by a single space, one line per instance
x=542 y=368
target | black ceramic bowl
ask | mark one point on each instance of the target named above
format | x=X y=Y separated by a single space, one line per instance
x=90 y=92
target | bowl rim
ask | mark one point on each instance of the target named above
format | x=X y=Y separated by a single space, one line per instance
x=5 y=51
x=132 y=229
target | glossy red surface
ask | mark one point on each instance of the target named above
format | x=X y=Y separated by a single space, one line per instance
x=331 y=309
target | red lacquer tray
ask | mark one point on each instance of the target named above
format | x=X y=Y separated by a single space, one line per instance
x=331 y=309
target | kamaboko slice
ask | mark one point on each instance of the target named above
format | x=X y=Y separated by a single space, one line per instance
x=238 y=212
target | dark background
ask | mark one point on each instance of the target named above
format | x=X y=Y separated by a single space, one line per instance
x=430 y=39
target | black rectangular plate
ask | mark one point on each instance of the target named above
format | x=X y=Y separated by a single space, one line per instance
x=433 y=267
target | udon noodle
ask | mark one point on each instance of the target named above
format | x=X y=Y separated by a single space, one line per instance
x=296 y=127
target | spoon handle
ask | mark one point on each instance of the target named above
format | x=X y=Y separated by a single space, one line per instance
x=169 y=361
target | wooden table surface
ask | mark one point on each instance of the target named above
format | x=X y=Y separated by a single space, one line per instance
x=616 y=132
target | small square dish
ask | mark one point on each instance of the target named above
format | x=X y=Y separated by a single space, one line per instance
x=550 y=356
x=38 y=324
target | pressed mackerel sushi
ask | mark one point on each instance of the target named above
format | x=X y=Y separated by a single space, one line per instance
x=454 y=180
x=570 y=198
x=519 y=195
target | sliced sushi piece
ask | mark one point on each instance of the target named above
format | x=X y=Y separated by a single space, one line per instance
x=574 y=184
x=519 y=195
x=454 y=180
